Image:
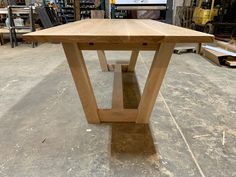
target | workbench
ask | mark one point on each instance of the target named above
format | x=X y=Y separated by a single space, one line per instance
x=110 y=34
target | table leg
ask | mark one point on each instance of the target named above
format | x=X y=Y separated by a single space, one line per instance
x=133 y=60
x=102 y=60
x=199 y=48
x=81 y=78
x=154 y=80
x=1 y=39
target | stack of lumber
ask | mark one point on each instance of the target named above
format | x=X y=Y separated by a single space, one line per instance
x=223 y=54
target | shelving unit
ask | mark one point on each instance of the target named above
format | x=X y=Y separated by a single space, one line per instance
x=85 y=8
x=13 y=13
x=66 y=10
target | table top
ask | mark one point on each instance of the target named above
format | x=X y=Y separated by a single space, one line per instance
x=118 y=31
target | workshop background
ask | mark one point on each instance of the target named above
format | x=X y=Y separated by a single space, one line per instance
x=43 y=129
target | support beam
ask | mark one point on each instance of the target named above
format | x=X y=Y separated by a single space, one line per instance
x=133 y=60
x=82 y=82
x=117 y=95
x=124 y=67
x=154 y=80
x=118 y=46
x=102 y=60
x=199 y=48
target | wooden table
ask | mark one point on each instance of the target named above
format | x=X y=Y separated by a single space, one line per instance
x=107 y=34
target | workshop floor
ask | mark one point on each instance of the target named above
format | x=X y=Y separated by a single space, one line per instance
x=43 y=131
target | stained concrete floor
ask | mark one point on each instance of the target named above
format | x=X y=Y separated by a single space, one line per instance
x=43 y=131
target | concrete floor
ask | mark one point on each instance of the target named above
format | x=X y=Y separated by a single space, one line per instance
x=43 y=131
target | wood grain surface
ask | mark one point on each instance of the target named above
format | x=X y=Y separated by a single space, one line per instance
x=118 y=31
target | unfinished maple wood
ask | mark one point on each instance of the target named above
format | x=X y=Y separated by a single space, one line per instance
x=118 y=31
x=133 y=60
x=117 y=95
x=119 y=46
x=111 y=67
x=227 y=46
x=212 y=55
x=102 y=60
x=154 y=80
x=110 y=34
x=82 y=82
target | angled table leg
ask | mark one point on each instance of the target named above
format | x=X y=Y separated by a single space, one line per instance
x=154 y=80
x=81 y=78
x=102 y=60
x=133 y=60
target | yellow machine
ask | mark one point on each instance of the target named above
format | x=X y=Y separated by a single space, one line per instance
x=202 y=16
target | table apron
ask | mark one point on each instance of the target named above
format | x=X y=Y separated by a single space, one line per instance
x=119 y=46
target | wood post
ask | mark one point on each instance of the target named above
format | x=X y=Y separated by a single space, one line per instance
x=82 y=82
x=133 y=60
x=154 y=80
x=117 y=95
x=102 y=60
